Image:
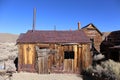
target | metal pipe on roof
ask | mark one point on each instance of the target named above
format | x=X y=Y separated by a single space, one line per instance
x=78 y=25
x=34 y=18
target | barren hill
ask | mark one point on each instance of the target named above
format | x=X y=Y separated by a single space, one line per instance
x=6 y=37
x=8 y=50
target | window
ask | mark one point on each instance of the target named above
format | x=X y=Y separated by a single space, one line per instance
x=69 y=55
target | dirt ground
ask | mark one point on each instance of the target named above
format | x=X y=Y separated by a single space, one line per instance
x=35 y=76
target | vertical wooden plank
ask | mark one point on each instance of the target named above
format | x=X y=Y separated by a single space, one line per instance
x=49 y=63
x=57 y=57
x=66 y=61
x=20 y=53
x=72 y=65
x=89 y=56
x=31 y=54
x=25 y=54
x=20 y=56
x=34 y=55
x=62 y=54
x=65 y=65
x=80 y=57
x=75 y=57
x=85 y=56
x=58 y=48
x=39 y=67
x=42 y=63
x=59 y=54
x=70 y=48
x=45 y=64
x=70 y=60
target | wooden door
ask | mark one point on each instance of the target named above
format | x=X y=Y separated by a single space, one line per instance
x=42 y=65
x=42 y=60
x=26 y=58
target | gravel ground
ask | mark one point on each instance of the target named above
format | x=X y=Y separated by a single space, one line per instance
x=35 y=76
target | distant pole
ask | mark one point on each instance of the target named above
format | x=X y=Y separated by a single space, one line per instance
x=55 y=27
x=34 y=19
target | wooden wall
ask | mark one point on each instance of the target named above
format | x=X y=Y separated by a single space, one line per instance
x=93 y=33
x=26 y=57
x=54 y=62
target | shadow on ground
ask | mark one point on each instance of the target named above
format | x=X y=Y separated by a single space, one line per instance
x=86 y=77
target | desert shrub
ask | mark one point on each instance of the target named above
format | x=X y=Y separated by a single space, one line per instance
x=98 y=57
x=112 y=67
x=8 y=53
x=108 y=70
x=12 y=57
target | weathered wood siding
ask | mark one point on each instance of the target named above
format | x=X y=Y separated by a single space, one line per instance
x=86 y=56
x=54 y=62
x=93 y=33
x=26 y=57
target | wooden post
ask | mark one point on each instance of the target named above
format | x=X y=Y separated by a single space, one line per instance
x=79 y=57
x=75 y=57
x=59 y=48
x=20 y=56
x=49 y=63
x=86 y=55
x=65 y=65
x=82 y=56
x=72 y=65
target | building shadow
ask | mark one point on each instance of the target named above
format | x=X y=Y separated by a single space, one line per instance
x=85 y=77
x=16 y=63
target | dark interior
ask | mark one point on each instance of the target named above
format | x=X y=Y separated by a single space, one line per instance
x=69 y=55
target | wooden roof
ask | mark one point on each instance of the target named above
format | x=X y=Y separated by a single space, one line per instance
x=39 y=36
x=93 y=26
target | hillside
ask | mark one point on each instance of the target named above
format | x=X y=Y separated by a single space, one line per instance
x=6 y=37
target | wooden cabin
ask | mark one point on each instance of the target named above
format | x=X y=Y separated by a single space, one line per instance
x=54 y=51
x=110 y=46
x=94 y=34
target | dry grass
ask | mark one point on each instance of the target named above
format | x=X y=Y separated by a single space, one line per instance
x=107 y=69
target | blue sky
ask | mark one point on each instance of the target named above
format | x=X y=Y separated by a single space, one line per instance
x=16 y=16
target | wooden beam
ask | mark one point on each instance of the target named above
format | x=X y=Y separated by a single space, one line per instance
x=75 y=57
